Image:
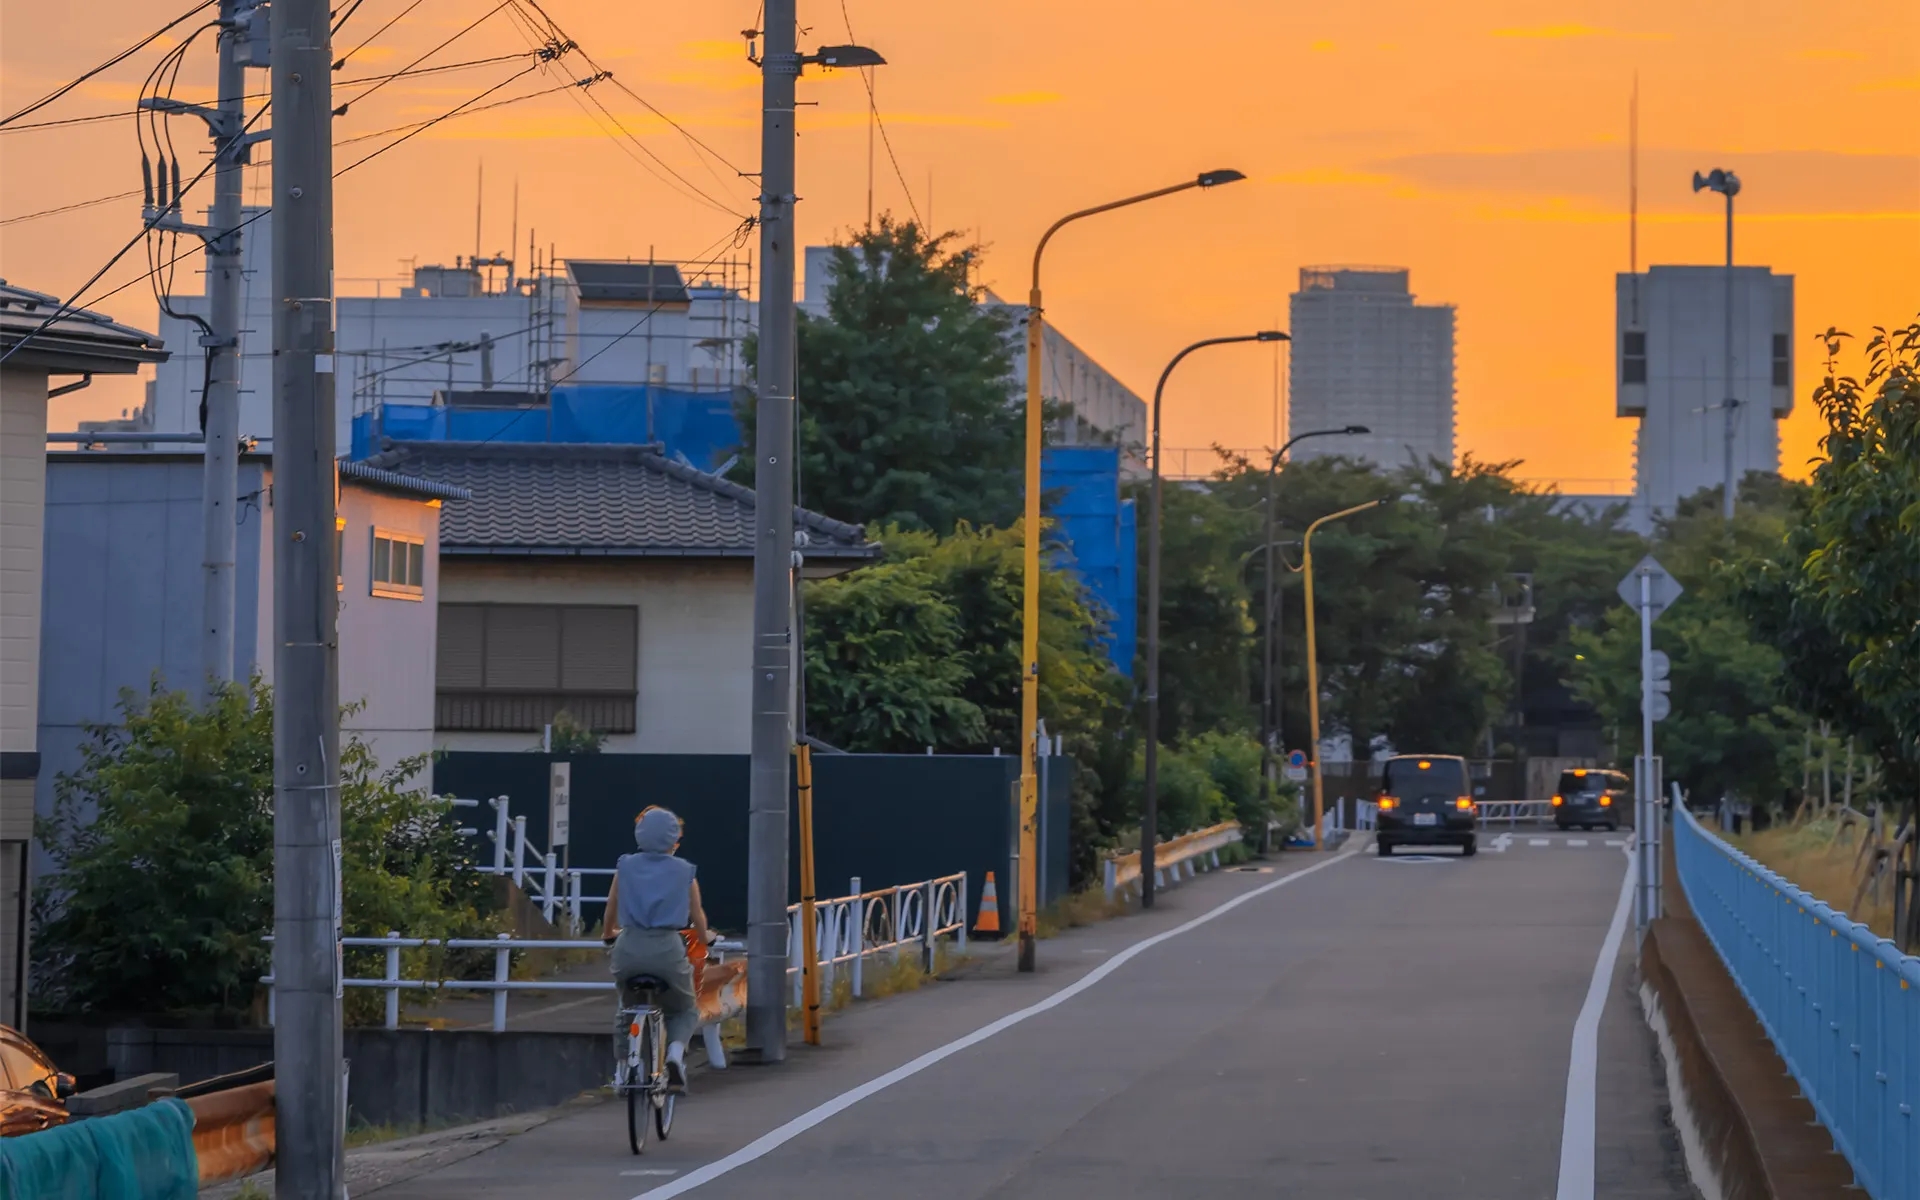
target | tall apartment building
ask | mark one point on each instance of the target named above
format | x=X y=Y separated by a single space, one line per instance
x=1671 y=374
x=1365 y=354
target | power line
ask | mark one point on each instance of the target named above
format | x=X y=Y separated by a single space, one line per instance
x=430 y=124
x=342 y=60
x=144 y=42
x=873 y=107
x=66 y=208
x=482 y=19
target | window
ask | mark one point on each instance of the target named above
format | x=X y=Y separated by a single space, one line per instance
x=511 y=667
x=1633 y=357
x=399 y=565
x=1782 y=363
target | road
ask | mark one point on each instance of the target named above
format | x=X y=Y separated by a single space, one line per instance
x=1366 y=1028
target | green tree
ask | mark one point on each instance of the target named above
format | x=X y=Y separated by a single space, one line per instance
x=904 y=396
x=162 y=841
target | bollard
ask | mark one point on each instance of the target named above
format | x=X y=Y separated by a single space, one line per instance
x=393 y=977
x=500 y=957
x=519 y=850
x=499 y=834
x=859 y=934
x=546 y=899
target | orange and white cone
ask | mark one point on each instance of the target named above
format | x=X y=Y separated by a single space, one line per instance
x=989 y=918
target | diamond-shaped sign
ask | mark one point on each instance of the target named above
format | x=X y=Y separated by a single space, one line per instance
x=1664 y=589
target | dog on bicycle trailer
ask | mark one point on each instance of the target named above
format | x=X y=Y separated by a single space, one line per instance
x=654 y=896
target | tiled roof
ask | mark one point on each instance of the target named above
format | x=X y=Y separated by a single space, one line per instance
x=78 y=340
x=394 y=481
x=616 y=501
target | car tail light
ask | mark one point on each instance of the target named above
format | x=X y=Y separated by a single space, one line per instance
x=1606 y=802
x=1387 y=802
x=1464 y=804
x=1557 y=802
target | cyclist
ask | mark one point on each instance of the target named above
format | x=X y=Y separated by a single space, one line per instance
x=652 y=898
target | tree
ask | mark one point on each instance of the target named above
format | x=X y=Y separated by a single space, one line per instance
x=163 y=843
x=904 y=395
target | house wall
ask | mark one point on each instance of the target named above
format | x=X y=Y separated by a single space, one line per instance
x=387 y=644
x=696 y=623
x=23 y=455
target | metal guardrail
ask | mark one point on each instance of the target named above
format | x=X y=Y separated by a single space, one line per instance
x=1841 y=1005
x=1171 y=857
x=1512 y=812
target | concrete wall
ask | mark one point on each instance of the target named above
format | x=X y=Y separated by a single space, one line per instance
x=387 y=643
x=696 y=622
x=23 y=457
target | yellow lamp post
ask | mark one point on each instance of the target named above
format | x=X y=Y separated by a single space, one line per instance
x=1029 y=881
x=1313 y=665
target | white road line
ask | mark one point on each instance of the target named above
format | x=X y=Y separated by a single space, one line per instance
x=1537 y=841
x=1577 y=1125
x=1576 y=841
x=774 y=1139
x=1616 y=841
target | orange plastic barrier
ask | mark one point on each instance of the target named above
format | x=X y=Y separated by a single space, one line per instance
x=233 y=1131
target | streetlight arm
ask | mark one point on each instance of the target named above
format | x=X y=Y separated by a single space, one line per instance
x=1306 y=543
x=1099 y=208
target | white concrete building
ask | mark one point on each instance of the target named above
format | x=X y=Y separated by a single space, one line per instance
x=1364 y=353
x=1671 y=375
x=479 y=327
x=1104 y=409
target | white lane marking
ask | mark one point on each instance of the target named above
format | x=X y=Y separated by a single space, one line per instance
x=1576 y=841
x=1616 y=841
x=1499 y=845
x=651 y=1171
x=1536 y=841
x=1577 y=1125
x=774 y=1139
x=1416 y=858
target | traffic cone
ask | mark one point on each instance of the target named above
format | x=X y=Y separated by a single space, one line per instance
x=989 y=919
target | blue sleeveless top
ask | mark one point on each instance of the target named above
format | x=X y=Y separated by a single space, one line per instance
x=655 y=891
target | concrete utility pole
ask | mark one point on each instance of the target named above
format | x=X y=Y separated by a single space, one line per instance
x=773 y=550
x=220 y=400
x=310 y=1095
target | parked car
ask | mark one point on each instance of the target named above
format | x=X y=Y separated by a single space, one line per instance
x=1426 y=800
x=1590 y=799
x=33 y=1091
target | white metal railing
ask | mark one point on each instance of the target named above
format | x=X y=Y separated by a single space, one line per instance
x=1172 y=857
x=556 y=889
x=1514 y=811
x=887 y=921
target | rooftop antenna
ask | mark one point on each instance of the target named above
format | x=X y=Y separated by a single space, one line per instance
x=479 y=193
x=1633 y=177
x=512 y=280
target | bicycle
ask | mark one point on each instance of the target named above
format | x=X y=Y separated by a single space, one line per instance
x=640 y=1072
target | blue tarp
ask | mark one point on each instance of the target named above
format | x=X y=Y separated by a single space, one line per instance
x=145 y=1154
x=1081 y=486
x=697 y=424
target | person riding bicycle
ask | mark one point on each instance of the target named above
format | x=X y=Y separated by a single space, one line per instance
x=652 y=898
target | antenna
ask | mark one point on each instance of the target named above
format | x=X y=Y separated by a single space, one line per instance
x=512 y=279
x=479 y=193
x=1633 y=178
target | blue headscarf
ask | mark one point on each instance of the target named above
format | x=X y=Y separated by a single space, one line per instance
x=657 y=831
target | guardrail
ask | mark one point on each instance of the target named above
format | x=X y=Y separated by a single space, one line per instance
x=854 y=928
x=1512 y=812
x=1841 y=1005
x=1171 y=857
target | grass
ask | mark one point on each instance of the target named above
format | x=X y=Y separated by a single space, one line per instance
x=1820 y=858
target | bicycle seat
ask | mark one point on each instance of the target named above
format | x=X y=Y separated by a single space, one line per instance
x=651 y=983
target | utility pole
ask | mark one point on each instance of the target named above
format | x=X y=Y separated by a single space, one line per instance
x=1727 y=184
x=220 y=401
x=773 y=550
x=310 y=1092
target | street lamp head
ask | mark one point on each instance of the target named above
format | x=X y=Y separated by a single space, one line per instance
x=1271 y=335
x=1216 y=178
x=1718 y=180
x=848 y=56
x=1356 y=429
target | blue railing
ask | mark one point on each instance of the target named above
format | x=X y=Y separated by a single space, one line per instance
x=1841 y=1005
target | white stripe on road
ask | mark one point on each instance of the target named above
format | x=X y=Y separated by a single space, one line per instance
x=1577 y=1126
x=1537 y=841
x=769 y=1142
x=1576 y=841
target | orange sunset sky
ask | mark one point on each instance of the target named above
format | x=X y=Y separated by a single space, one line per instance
x=1481 y=143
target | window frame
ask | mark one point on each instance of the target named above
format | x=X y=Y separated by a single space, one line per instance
x=387 y=589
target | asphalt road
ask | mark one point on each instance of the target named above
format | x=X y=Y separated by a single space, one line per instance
x=1396 y=1028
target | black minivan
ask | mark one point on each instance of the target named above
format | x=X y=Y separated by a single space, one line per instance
x=1590 y=798
x=1426 y=800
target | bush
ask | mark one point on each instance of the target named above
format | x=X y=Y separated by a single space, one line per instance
x=162 y=844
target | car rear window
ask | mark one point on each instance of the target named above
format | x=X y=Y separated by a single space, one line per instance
x=1579 y=783
x=1405 y=777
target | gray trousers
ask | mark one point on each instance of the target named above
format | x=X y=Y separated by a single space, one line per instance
x=662 y=954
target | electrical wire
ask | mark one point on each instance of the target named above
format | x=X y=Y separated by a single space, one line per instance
x=482 y=19
x=395 y=20
x=873 y=107
x=435 y=121
x=142 y=44
x=67 y=208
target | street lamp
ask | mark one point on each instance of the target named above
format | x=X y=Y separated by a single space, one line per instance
x=1030 y=569
x=1313 y=664
x=1269 y=667
x=1150 y=810
x=1728 y=185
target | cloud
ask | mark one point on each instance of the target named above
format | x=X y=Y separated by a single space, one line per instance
x=1571 y=30
x=1026 y=98
x=1776 y=182
x=1323 y=46
x=1909 y=84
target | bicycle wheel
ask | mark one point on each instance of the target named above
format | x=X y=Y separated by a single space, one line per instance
x=659 y=1092
x=639 y=1092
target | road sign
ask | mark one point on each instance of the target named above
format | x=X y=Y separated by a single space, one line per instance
x=1659 y=706
x=1658 y=664
x=559 y=804
x=1297 y=765
x=1665 y=590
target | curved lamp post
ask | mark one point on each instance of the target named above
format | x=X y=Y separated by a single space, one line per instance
x=1029 y=881
x=1150 y=811
x=1270 y=662
x=1313 y=664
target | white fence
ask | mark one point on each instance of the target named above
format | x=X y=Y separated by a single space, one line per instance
x=558 y=890
x=1512 y=812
